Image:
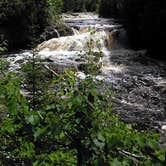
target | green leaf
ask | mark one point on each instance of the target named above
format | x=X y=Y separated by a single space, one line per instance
x=115 y=162
x=32 y=119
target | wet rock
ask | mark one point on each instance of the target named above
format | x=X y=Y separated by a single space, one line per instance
x=81 y=75
x=61 y=29
x=49 y=33
x=75 y=14
x=163 y=128
x=20 y=61
x=64 y=29
x=82 y=67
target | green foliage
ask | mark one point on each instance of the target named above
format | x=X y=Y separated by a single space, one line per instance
x=23 y=21
x=92 y=58
x=72 y=126
x=3 y=44
x=3 y=66
x=3 y=70
x=59 y=158
x=55 y=9
x=17 y=18
x=35 y=78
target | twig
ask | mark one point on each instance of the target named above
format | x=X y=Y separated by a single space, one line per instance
x=52 y=71
x=123 y=152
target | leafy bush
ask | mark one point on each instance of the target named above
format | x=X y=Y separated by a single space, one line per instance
x=73 y=126
x=3 y=44
x=35 y=78
x=3 y=67
x=92 y=57
x=55 y=9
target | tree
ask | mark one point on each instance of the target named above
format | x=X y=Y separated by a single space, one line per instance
x=143 y=20
x=55 y=9
x=145 y=25
x=21 y=19
x=80 y=5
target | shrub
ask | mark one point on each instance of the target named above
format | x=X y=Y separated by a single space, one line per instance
x=3 y=44
x=55 y=9
x=35 y=79
x=73 y=126
x=92 y=56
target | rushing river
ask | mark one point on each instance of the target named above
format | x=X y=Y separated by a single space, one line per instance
x=139 y=82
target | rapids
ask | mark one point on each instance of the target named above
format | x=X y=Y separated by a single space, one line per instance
x=139 y=82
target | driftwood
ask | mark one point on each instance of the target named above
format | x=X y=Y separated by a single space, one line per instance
x=52 y=71
x=128 y=154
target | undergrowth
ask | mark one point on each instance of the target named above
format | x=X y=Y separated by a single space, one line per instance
x=67 y=121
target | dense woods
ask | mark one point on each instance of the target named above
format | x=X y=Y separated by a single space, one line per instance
x=143 y=20
x=22 y=22
x=55 y=118
x=80 y=5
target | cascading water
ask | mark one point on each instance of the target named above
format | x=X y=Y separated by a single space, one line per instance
x=139 y=82
x=77 y=42
x=58 y=35
x=75 y=31
x=65 y=50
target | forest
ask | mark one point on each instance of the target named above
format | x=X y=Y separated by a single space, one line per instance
x=52 y=116
x=144 y=20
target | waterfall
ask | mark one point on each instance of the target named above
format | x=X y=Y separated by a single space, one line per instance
x=66 y=49
x=75 y=31
x=78 y=42
x=58 y=35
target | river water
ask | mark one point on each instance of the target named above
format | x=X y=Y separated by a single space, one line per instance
x=139 y=81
